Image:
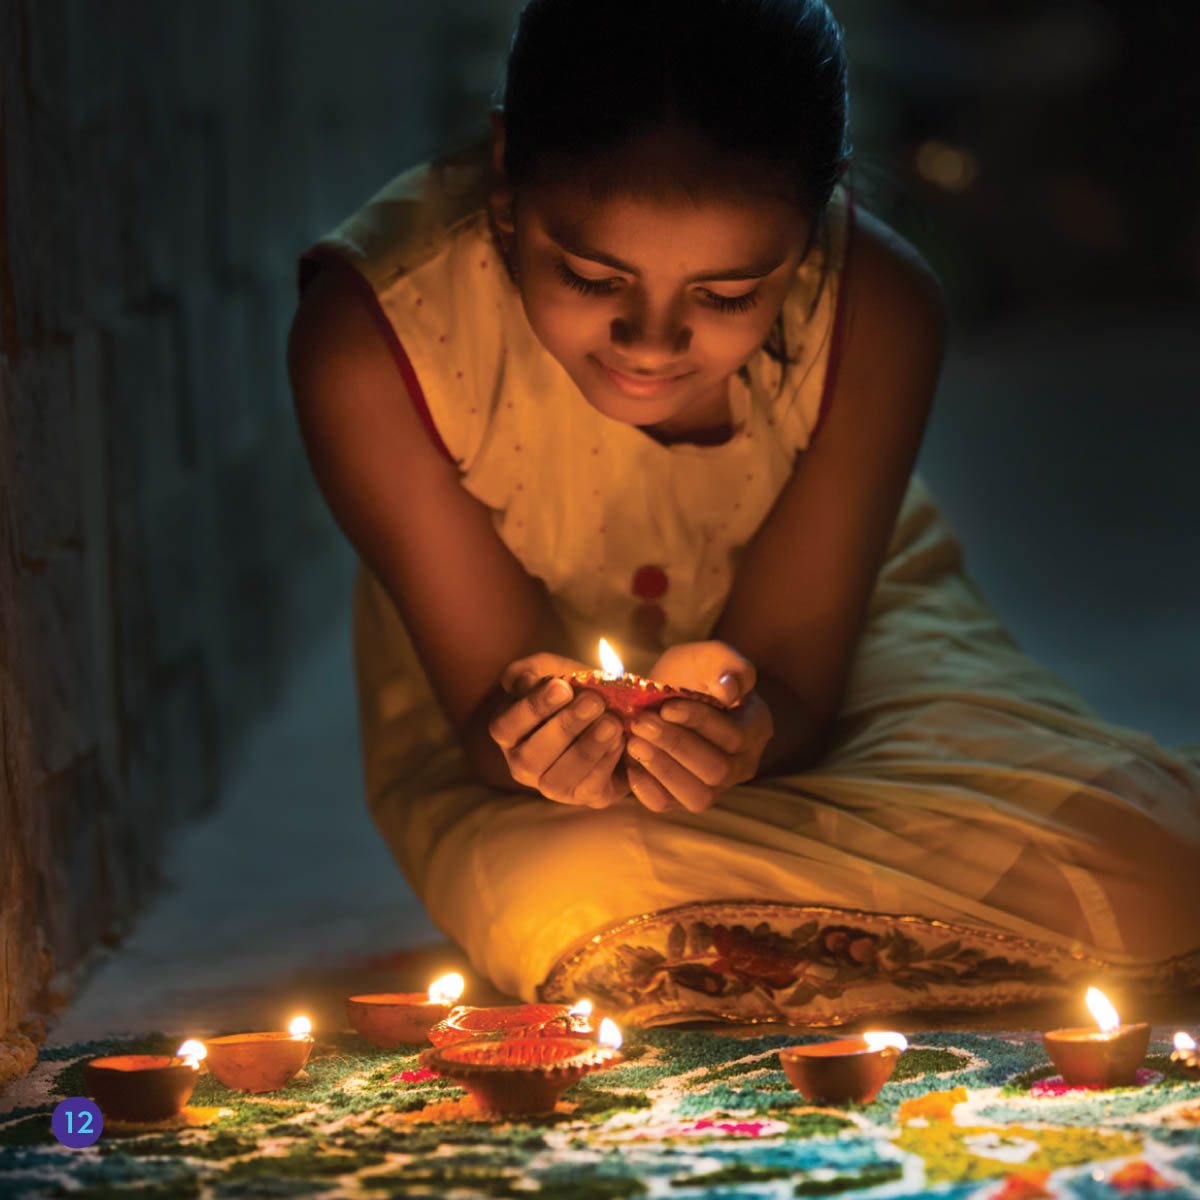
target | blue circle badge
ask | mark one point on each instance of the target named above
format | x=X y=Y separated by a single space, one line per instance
x=77 y=1122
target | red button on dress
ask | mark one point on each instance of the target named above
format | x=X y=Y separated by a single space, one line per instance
x=646 y=624
x=649 y=582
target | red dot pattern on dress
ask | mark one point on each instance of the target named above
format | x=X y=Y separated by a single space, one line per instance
x=441 y=337
x=483 y=263
x=458 y=375
x=419 y=301
x=595 y=449
x=517 y=446
x=650 y=582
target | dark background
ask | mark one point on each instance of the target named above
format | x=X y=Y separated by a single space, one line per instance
x=173 y=596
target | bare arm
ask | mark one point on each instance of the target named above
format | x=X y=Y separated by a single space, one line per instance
x=798 y=604
x=467 y=602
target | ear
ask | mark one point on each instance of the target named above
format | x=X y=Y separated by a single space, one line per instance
x=502 y=194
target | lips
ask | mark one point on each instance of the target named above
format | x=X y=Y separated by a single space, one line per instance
x=640 y=385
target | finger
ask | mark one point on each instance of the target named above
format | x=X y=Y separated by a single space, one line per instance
x=509 y=727
x=580 y=774
x=647 y=790
x=709 y=723
x=539 y=666
x=700 y=756
x=598 y=789
x=538 y=752
x=694 y=794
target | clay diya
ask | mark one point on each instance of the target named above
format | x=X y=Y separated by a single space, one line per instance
x=260 y=1062
x=388 y=1019
x=1108 y=1056
x=525 y=1075
x=144 y=1087
x=1185 y=1056
x=626 y=695
x=466 y=1024
x=847 y=1071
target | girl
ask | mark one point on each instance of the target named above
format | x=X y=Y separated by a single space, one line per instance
x=646 y=372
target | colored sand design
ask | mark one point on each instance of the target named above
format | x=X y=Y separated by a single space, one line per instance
x=690 y=1115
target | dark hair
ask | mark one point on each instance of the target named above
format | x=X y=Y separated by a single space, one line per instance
x=760 y=82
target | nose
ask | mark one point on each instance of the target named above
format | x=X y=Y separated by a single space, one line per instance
x=650 y=339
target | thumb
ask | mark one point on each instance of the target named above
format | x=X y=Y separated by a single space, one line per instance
x=729 y=688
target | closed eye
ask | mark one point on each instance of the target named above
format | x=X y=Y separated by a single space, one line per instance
x=603 y=287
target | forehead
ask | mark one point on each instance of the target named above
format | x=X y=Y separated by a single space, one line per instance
x=731 y=230
x=669 y=192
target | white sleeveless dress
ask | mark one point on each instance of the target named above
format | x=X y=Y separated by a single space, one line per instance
x=976 y=833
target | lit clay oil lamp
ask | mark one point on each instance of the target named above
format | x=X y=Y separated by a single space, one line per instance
x=847 y=1071
x=466 y=1024
x=626 y=695
x=1107 y=1056
x=388 y=1019
x=1185 y=1056
x=144 y=1087
x=260 y=1062
x=525 y=1075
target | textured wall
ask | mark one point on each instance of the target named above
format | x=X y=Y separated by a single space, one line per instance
x=163 y=554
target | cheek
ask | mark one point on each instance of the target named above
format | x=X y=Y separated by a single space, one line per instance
x=565 y=328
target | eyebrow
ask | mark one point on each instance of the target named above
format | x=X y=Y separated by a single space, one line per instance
x=567 y=243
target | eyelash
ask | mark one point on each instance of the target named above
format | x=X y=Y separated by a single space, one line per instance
x=602 y=287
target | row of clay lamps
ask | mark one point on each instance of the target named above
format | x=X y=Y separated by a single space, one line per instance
x=520 y=1058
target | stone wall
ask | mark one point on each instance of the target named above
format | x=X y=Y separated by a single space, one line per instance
x=164 y=556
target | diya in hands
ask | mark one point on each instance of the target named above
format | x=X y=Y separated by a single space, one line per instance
x=626 y=695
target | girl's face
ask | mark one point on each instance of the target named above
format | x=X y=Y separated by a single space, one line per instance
x=650 y=305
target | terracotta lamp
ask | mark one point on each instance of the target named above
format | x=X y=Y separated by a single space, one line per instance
x=1185 y=1056
x=144 y=1087
x=625 y=695
x=465 y=1024
x=847 y=1071
x=260 y=1062
x=1107 y=1056
x=388 y=1019
x=524 y=1075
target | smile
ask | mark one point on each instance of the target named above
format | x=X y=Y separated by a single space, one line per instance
x=634 y=385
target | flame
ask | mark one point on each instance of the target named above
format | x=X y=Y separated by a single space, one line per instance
x=1184 y=1041
x=446 y=988
x=300 y=1027
x=610 y=664
x=192 y=1052
x=582 y=1009
x=879 y=1041
x=1100 y=1008
x=610 y=1034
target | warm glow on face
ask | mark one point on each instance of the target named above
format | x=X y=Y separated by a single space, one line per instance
x=1184 y=1041
x=447 y=988
x=610 y=1035
x=192 y=1051
x=1100 y=1008
x=300 y=1027
x=582 y=1009
x=610 y=664
x=877 y=1041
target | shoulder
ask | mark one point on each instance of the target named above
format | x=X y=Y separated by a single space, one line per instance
x=892 y=294
x=335 y=332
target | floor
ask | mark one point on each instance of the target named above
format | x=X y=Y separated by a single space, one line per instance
x=1063 y=452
